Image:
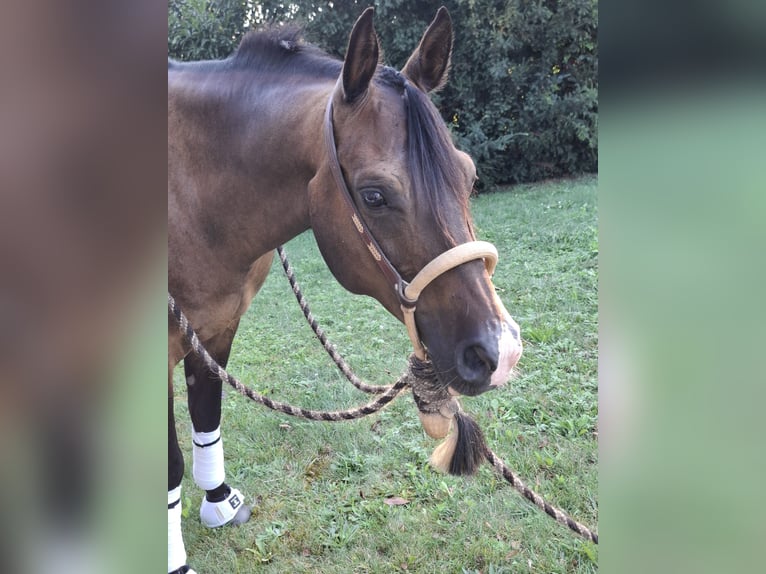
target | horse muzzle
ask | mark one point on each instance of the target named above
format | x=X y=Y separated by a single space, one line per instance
x=481 y=363
x=487 y=363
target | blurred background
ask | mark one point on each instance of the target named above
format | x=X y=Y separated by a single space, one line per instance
x=682 y=197
x=82 y=281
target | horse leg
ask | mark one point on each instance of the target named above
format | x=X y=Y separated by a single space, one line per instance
x=176 y=550
x=222 y=504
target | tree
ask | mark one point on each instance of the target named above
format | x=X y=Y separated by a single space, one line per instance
x=205 y=29
x=523 y=92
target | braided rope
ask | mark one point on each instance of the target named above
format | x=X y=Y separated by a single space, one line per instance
x=321 y=335
x=419 y=377
x=331 y=416
x=556 y=513
x=433 y=399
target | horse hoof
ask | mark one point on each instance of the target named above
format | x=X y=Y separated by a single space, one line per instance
x=231 y=510
x=242 y=515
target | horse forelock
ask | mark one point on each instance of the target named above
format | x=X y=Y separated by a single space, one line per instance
x=435 y=172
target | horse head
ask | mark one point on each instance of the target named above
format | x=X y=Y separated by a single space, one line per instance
x=409 y=189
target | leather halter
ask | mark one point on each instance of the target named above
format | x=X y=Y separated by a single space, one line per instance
x=408 y=293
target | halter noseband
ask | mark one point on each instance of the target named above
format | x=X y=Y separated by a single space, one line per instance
x=408 y=293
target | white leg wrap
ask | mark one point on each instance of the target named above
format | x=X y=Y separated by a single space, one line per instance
x=176 y=549
x=208 y=468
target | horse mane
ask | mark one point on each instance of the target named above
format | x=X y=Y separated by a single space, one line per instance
x=283 y=49
x=429 y=146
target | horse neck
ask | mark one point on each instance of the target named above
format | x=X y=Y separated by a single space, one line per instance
x=280 y=148
x=258 y=144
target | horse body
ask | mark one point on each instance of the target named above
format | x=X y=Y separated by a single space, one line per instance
x=248 y=170
x=233 y=193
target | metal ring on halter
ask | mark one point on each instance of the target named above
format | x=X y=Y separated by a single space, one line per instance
x=401 y=291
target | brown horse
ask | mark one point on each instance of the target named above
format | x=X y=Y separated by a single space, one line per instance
x=264 y=145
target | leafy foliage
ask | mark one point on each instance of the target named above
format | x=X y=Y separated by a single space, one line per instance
x=523 y=92
x=205 y=29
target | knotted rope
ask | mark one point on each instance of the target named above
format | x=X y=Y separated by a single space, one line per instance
x=433 y=399
x=461 y=453
x=440 y=413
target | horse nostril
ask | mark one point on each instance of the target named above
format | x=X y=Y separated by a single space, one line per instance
x=475 y=363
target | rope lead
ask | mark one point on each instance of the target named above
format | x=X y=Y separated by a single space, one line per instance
x=441 y=415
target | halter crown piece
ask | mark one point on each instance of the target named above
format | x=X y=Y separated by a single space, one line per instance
x=439 y=411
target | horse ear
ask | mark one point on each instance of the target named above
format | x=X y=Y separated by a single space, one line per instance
x=361 y=57
x=429 y=63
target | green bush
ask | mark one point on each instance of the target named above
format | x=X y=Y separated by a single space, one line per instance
x=205 y=29
x=522 y=96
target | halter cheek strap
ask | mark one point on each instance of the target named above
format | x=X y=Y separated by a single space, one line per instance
x=392 y=275
x=408 y=293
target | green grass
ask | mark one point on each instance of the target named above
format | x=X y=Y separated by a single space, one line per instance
x=320 y=488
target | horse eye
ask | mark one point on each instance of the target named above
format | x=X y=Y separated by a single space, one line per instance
x=373 y=198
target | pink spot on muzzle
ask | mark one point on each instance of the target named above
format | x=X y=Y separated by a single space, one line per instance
x=510 y=349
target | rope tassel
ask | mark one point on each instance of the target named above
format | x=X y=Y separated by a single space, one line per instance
x=440 y=413
x=462 y=452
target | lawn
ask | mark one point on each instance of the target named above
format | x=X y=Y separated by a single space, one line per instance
x=320 y=490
